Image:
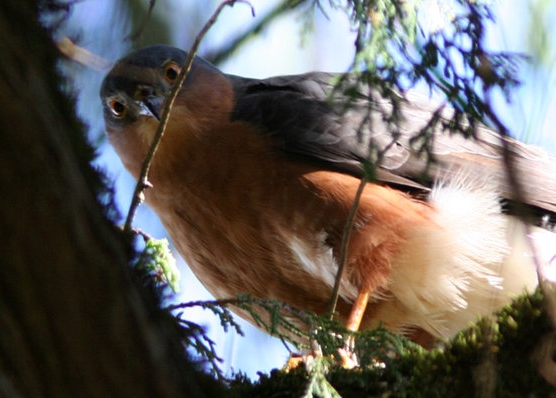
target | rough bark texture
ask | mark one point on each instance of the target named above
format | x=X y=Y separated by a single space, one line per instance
x=73 y=321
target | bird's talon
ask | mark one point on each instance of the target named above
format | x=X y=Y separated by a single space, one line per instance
x=295 y=360
x=349 y=359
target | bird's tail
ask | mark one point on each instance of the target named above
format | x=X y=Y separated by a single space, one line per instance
x=472 y=261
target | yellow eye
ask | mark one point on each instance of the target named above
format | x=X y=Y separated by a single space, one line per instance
x=171 y=72
x=118 y=108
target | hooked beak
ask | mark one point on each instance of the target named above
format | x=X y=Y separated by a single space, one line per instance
x=151 y=106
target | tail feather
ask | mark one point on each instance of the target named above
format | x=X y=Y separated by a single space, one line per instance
x=471 y=262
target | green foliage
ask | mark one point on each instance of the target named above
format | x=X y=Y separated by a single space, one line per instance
x=499 y=349
x=393 y=44
x=496 y=351
x=156 y=265
x=395 y=51
x=195 y=337
x=269 y=315
x=317 y=383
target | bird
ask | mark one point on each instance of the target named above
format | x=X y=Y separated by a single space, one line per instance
x=254 y=181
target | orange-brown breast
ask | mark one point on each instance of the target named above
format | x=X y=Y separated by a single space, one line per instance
x=249 y=220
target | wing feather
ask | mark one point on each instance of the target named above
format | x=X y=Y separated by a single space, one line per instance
x=306 y=121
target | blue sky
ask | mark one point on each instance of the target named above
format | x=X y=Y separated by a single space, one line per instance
x=101 y=25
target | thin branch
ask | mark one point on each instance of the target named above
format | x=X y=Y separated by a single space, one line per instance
x=346 y=236
x=222 y=54
x=81 y=55
x=240 y=300
x=523 y=212
x=143 y=24
x=348 y=227
x=142 y=181
x=146 y=237
x=202 y=303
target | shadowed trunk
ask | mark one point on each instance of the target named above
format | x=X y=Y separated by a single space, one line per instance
x=73 y=320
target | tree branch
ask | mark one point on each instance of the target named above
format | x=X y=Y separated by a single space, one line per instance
x=142 y=181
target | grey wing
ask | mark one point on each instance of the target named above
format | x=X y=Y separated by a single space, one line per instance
x=296 y=113
x=481 y=157
x=306 y=121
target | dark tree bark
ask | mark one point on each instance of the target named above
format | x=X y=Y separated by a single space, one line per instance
x=73 y=320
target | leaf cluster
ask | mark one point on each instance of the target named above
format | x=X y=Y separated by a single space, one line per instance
x=394 y=52
x=499 y=350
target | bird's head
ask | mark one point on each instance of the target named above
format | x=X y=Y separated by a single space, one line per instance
x=133 y=95
x=138 y=84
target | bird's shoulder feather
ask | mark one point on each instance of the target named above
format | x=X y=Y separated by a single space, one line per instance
x=307 y=119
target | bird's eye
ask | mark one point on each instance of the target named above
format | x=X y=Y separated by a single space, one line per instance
x=117 y=108
x=171 y=72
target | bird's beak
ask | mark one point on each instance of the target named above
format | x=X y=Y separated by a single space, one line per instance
x=151 y=106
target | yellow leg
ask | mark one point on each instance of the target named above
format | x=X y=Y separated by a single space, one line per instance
x=358 y=310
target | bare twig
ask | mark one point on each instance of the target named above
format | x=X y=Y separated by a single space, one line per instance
x=141 y=28
x=146 y=237
x=523 y=214
x=522 y=211
x=225 y=52
x=346 y=235
x=348 y=227
x=142 y=181
x=81 y=55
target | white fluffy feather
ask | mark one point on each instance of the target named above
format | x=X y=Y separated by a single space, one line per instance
x=468 y=265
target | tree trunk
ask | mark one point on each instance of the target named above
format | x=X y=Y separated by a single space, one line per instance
x=73 y=320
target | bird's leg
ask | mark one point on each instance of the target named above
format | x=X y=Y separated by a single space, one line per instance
x=295 y=360
x=358 y=310
x=349 y=360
